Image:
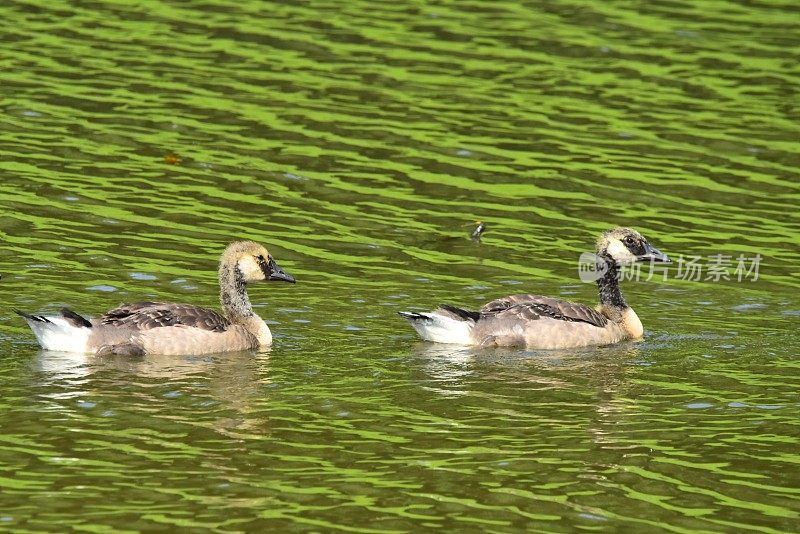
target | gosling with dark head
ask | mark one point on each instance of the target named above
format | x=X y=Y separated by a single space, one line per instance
x=538 y=322
x=169 y=328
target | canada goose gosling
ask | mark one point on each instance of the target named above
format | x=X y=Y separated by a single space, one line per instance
x=169 y=328
x=539 y=322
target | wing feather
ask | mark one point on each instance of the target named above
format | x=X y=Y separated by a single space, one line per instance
x=532 y=307
x=148 y=315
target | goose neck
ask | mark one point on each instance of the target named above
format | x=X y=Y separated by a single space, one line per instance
x=608 y=285
x=233 y=293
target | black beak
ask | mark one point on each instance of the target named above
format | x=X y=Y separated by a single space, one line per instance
x=651 y=253
x=276 y=273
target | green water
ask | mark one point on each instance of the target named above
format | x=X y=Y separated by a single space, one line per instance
x=360 y=141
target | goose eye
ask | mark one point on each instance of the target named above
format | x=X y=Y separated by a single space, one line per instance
x=628 y=240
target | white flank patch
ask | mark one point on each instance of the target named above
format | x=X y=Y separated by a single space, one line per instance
x=59 y=335
x=442 y=329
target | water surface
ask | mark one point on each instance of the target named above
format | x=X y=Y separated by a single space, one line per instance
x=360 y=143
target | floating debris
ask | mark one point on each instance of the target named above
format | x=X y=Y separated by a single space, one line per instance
x=478 y=231
x=172 y=158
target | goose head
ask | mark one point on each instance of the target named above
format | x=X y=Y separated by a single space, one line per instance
x=625 y=246
x=254 y=262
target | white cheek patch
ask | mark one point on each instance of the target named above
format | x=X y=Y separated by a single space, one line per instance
x=620 y=252
x=250 y=268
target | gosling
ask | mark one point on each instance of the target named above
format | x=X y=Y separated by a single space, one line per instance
x=168 y=328
x=537 y=322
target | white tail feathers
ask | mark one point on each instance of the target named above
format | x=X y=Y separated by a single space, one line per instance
x=56 y=333
x=439 y=328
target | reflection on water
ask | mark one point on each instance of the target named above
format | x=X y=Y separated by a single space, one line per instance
x=360 y=142
x=453 y=365
x=230 y=382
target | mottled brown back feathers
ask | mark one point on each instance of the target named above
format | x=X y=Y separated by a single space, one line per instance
x=148 y=315
x=532 y=307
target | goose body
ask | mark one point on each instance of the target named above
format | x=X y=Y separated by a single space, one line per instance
x=170 y=328
x=539 y=322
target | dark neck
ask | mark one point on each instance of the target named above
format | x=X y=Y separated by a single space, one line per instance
x=608 y=286
x=233 y=293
